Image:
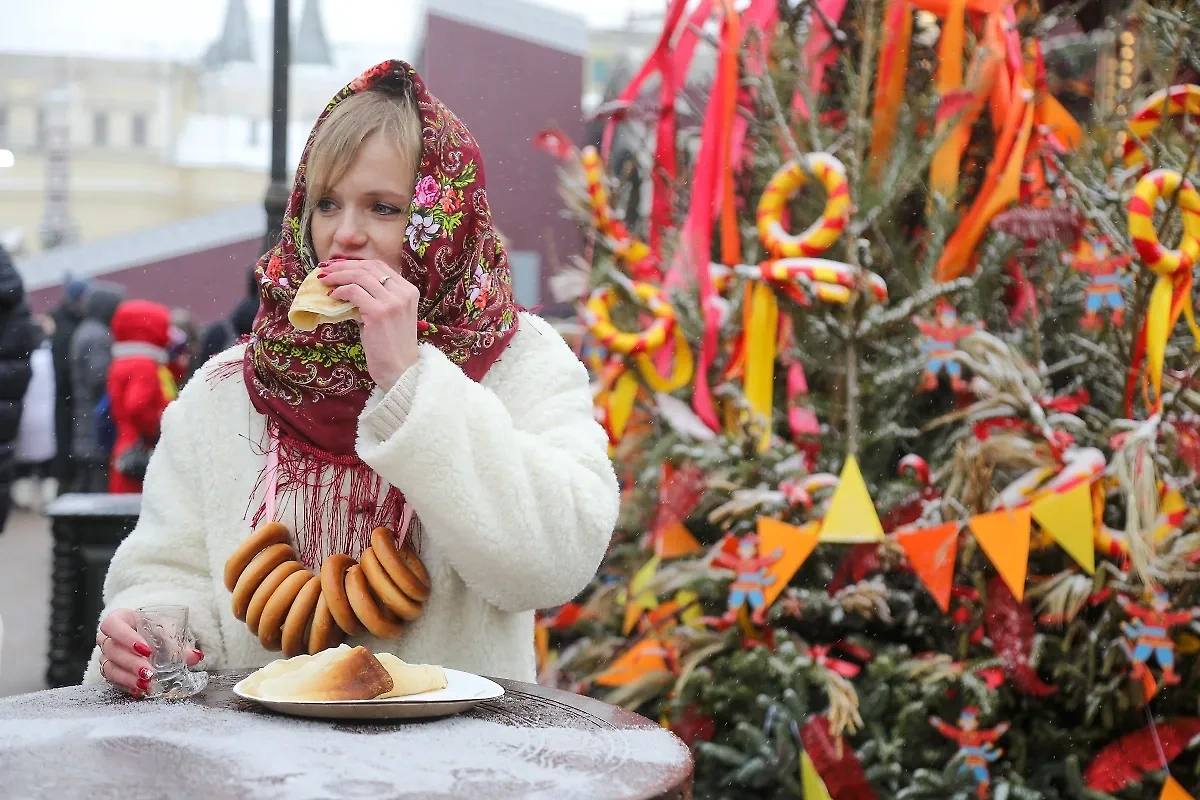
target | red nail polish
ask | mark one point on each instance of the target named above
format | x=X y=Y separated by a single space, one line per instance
x=142 y=650
x=136 y=694
x=143 y=684
x=322 y=275
x=199 y=654
x=145 y=674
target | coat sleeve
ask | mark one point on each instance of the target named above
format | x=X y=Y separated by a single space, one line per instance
x=164 y=561
x=511 y=476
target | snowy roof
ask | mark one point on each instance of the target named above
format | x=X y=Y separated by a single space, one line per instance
x=102 y=256
x=533 y=22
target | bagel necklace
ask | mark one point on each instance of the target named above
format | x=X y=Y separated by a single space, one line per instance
x=293 y=609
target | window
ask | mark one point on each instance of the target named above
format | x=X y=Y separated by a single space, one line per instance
x=137 y=130
x=253 y=138
x=599 y=71
x=3 y=125
x=526 y=267
x=100 y=128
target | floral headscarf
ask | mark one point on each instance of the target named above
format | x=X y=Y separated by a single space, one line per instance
x=312 y=386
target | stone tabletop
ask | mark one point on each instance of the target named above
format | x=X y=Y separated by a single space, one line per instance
x=535 y=742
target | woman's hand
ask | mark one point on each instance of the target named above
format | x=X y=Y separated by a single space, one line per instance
x=387 y=304
x=125 y=656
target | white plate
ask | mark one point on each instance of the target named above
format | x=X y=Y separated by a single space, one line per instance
x=463 y=692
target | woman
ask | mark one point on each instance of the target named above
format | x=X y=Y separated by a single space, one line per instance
x=445 y=401
x=140 y=385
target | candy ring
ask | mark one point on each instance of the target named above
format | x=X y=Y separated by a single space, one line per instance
x=1164 y=183
x=831 y=281
x=822 y=233
x=597 y=315
x=1183 y=98
x=631 y=250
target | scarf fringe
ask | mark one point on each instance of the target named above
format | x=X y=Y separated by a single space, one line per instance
x=327 y=491
x=227 y=369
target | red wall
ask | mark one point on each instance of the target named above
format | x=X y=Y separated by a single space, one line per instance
x=506 y=90
x=208 y=283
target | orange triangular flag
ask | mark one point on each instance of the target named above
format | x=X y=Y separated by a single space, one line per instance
x=676 y=540
x=792 y=545
x=648 y=655
x=851 y=516
x=1067 y=517
x=931 y=552
x=1173 y=791
x=1004 y=536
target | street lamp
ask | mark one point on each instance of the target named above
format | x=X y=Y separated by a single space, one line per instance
x=277 y=189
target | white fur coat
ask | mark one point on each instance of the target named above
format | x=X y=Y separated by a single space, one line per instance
x=510 y=479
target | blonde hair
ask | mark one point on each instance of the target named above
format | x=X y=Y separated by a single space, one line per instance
x=341 y=135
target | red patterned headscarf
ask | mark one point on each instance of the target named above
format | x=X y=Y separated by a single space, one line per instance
x=312 y=387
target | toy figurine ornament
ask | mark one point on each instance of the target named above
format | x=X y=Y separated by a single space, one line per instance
x=1108 y=277
x=1148 y=635
x=973 y=744
x=750 y=580
x=939 y=340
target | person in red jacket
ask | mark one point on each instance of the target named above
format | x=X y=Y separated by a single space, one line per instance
x=140 y=386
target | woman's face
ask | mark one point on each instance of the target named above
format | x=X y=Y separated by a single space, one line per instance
x=364 y=215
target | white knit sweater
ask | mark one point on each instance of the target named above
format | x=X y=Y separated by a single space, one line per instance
x=510 y=479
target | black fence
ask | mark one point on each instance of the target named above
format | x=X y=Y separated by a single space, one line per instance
x=87 y=529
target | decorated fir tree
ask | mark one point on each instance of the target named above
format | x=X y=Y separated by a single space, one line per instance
x=907 y=428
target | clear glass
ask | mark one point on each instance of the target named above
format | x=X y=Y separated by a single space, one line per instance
x=166 y=631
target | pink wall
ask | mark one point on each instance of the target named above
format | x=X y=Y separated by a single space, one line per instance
x=208 y=282
x=506 y=90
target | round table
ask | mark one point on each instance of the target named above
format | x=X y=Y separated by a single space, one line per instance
x=535 y=742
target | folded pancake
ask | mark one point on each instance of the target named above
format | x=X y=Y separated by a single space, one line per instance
x=341 y=673
x=313 y=306
x=409 y=679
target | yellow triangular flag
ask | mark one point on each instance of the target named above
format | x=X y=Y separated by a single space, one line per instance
x=851 y=517
x=1173 y=791
x=1004 y=537
x=810 y=781
x=1067 y=517
x=640 y=598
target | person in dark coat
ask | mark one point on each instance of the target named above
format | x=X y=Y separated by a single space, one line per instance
x=91 y=354
x=224 y=334
x=17 y=335
x=67 y=317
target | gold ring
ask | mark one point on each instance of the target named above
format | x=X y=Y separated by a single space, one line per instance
x=384 y=279
x=103 y=661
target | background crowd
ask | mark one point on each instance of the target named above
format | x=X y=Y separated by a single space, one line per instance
x=83 y=389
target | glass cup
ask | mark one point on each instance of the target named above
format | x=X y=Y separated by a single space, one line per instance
x=166 y=631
